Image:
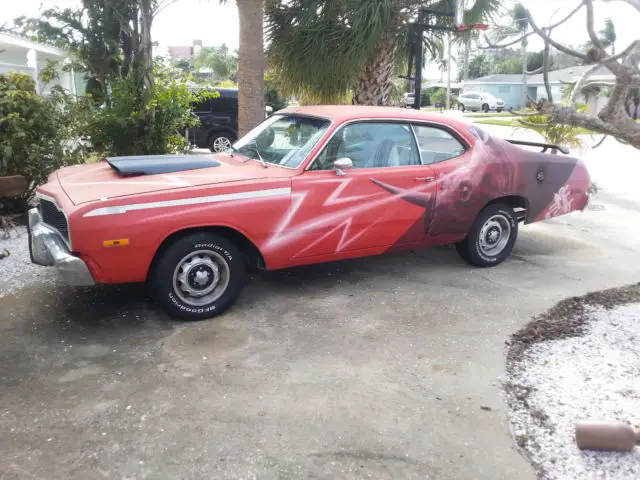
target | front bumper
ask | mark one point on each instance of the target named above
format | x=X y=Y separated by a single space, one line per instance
x=47 y=248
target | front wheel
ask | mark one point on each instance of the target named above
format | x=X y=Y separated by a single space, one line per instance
x=461 y=107
x=485 y=108
x=198 y=276
x=491 y=238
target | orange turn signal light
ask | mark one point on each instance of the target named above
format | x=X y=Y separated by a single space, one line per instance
x=119 y=242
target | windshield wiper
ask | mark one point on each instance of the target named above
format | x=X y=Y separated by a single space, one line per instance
x=264 y=164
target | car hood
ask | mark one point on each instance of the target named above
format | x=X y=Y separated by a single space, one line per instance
x=125 y=176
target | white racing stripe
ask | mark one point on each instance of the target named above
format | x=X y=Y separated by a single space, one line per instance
x=118 y=209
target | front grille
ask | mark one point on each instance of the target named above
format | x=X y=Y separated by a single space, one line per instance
x=54 y=217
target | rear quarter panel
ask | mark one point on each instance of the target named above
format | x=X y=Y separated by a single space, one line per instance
x=496 y=168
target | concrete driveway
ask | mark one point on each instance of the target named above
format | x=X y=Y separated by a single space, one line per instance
x=385 y=367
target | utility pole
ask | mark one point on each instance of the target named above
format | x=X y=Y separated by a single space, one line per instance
x=524 y=71
x=448 y=71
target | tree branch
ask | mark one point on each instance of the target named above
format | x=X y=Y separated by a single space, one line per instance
x=624 y=129
x=595 y=40
x=556 y=45
x=534 y=72
x=522 y=37
x=600 y=142
x=634 y=3
x=503 y=45
x=580 y=83
x=161 y=6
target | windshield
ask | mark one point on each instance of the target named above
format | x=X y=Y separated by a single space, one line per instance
x=283 y=140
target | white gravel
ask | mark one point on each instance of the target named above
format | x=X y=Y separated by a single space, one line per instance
x=16 y=270
x=593 y=376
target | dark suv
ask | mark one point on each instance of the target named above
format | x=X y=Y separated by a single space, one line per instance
x=218 y=127
x=218 y=116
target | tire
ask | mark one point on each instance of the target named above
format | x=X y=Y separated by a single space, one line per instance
x=182 y=262
x=481 y=248
x=219 y=142
x=461 y=106
x=485 y=108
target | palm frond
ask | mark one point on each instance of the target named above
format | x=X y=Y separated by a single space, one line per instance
x=318 y=47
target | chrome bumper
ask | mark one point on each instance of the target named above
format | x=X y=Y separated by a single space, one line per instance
x=47 y=248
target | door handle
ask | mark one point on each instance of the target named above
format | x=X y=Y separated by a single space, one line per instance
x=426 y=179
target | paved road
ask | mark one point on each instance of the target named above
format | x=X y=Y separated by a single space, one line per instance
x=373 y=368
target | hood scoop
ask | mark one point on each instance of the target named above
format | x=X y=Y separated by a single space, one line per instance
x=159 y=164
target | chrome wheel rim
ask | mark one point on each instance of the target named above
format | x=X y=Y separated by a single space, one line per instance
x=201 y=277
x=495 y=235
x=221 y=144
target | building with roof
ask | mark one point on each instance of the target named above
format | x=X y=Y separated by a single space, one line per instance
x=179 y=52
x=509 y=86
x=18 y=54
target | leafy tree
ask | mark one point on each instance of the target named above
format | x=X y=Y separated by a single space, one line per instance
x=110 y=40
x=608 y=35
x=223 y=64
x=324 y=48
x=479 y=66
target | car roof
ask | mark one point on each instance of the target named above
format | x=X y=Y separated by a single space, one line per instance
x=343 y=113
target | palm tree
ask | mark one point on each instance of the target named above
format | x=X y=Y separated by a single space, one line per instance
x=323 y=48
x=608 y=35
x=251 y=64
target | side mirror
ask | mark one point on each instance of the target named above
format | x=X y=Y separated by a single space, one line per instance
x=342 y=164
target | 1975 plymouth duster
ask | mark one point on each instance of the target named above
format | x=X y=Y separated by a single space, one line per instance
x=308 y=185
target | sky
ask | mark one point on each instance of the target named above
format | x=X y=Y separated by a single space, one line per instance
x=215 y=24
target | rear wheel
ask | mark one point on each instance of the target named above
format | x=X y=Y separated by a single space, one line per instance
x=485 y=108
x=491 y=238
x=198 y=276
x=461 y=106
x=220 y=142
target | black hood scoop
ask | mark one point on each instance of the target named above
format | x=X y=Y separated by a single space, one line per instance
x=159 y=164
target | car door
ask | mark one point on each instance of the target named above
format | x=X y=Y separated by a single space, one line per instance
x=472 y=101
x=385 y=199
x=449 y=156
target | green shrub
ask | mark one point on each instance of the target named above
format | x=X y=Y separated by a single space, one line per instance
x=36 y=134
x=554 y=133
x=135 y=122
x=425 y=99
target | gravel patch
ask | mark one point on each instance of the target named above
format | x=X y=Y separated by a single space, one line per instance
x=16 y=270
x=579 y=360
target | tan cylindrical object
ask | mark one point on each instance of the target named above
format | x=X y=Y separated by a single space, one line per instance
x=606 y=435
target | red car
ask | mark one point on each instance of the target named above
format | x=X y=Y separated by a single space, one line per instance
x=308 y=185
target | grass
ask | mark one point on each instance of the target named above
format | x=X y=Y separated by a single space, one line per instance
x=515 y=124
x=499 y=121
x=491 y=114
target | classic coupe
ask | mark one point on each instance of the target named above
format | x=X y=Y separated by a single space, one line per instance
x=307 y=185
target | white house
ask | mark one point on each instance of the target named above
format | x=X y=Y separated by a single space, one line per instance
x=20 y=55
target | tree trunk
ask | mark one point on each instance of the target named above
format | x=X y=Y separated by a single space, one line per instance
x=250 y=65
x=374 y=82
x=146 y=55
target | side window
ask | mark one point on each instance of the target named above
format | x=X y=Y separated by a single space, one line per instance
x=370 y=145
x=437 y=144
